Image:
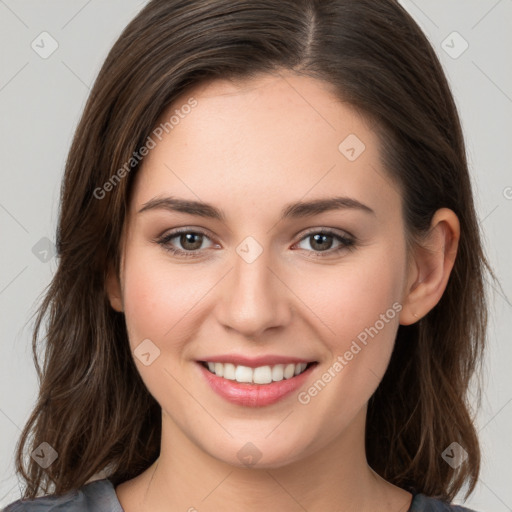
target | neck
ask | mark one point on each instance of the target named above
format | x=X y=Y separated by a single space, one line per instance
x=336 y=477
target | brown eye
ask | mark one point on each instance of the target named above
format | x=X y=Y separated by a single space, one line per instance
x=191 y=241
x=185 y=242
x=322 y=242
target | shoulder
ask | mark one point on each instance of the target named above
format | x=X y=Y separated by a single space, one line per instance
x=423 y=503
x=98 y=496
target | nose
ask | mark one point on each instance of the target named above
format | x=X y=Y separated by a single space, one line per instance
x=254 y=298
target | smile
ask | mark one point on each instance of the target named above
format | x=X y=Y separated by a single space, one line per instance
x=255 y=387
x=259 y=375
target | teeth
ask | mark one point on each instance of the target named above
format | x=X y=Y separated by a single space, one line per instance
x=259 y=375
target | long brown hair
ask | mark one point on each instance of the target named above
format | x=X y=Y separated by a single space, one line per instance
x=93 y=407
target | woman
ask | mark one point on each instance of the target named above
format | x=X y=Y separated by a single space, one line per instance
x=203 y=350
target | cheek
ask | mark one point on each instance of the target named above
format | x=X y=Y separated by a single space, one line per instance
x=155 y=297
x=357 y=309
x=351 y=297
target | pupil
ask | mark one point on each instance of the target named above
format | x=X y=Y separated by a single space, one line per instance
x=188 y=239
x=323 y=237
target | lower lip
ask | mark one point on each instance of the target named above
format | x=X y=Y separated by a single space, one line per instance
x=254 y=395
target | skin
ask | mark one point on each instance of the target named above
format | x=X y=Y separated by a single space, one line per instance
x=249 y=148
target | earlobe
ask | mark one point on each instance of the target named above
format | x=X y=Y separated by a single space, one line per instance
x=432 y=264
x=113 y=290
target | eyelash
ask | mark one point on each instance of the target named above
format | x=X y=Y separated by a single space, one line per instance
x=347 y=242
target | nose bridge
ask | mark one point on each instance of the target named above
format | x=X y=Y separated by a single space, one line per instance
x=253 y=299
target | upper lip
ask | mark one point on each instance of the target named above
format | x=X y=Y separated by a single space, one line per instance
x=254 y=362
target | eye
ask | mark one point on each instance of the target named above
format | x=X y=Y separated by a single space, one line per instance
x=190 y=240
x=321 y=241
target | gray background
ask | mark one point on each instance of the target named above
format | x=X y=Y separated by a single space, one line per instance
x=40 y=103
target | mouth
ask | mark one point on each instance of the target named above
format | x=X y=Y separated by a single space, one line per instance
x=261 y=375
x=256 y=386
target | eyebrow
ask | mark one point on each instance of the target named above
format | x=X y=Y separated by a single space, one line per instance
x=299 y=209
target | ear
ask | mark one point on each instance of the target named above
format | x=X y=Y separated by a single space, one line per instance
x=113 y=289
x=431 y=265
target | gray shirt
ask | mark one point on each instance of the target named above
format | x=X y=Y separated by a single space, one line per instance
x=100 y=496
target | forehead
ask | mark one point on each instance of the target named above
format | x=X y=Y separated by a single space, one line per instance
x=301 y=102
x=263 y=138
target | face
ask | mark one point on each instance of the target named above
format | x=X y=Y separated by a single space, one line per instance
x=317 y=284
